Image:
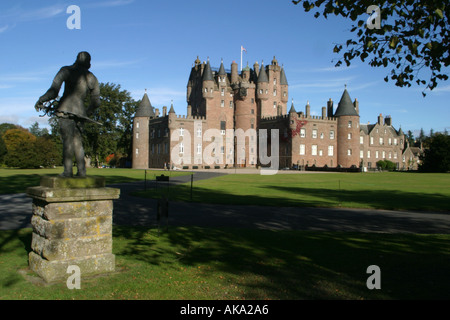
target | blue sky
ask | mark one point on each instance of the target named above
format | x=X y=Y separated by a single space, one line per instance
x=152 y=45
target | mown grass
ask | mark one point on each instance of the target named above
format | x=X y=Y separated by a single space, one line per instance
x=389 y=190
x=229 y=264
x=17 y=180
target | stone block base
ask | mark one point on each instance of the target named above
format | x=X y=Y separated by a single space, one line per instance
x=56 y=270
x=72 y=226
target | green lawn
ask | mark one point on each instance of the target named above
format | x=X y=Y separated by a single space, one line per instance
x=17 y=180
x=222 y=264
x=389 y=190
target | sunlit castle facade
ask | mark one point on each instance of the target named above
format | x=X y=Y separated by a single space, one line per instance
x=232 y=116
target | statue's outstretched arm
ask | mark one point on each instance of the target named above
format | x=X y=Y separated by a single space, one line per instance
x=53 y=92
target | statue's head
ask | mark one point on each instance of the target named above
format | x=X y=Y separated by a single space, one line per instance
x=84 y=59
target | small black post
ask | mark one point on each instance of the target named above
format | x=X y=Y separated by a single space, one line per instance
x=192 y=182
x=145 y=181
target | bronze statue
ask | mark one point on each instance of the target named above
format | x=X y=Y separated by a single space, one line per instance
x=79 y=83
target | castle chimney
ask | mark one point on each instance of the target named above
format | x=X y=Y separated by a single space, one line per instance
x=330 y=108
x=189 y=110
x=324 y=112
x=308 y=109
x=380 y=119
x=234 y=72
x=164 y=111
x=256 y=68
x=356 y=104
x=388 y=121
x=156 y=113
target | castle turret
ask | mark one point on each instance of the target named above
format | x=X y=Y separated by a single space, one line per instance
x=262 y=87
x=283 y=86
x=208 y=82
x=347 y=132
x=140 y=140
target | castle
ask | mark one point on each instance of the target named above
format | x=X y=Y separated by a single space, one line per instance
x=230 y=113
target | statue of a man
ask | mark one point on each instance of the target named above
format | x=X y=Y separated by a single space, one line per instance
x=79 y=83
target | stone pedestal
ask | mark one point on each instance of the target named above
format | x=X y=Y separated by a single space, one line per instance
x=72 y=225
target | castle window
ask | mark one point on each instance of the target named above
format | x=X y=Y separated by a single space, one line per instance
x=181 y=132
x=284 y=94
x=166 y=148
x=137 y=135
x=159 y=133
x=361 y=154
x=199 y=148
x=222 y=150
x=314 y=134
x=320 y=152
x=302 y=133
x=349 y=136
x=153 y=148
x=361 y=140
x=159 y=148
x=181 y=147
x=314 y=150
x=199 y=132
x=368 y=154
x=222 y=103
x=253 y=100
x=231 y=104
x=222 y=92
x=330 y=150
x=395 y=155
x=206 y=90
x=376 y=154
x=267 y=91
x=253 y=111
x=321 y=135
x=166 y=132
x=223 y=126
x=381 y=141
x=331 y=134
x=384 y=155
x=390 y=141
x=137 y=125
x=274 y=81
x=395 y=141
x=274 y=105
x=302 y=149
x=349 y=124
x=137 y=151
x=349 y=152
x=371 y=140
x=260 y=91
x=390 y=155
x=275 y=92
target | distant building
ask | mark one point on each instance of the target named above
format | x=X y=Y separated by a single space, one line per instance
x=233 y=106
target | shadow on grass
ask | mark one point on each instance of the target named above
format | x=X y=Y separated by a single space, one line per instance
x=286 y=196
x=304 y=265
x=18 y=183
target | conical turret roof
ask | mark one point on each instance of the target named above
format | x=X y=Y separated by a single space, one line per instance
x=145 y=108
x=263 y=74
x=345 y=106
x=292 y=108
x=222 y=69
x=283 y=79
x=207 y=73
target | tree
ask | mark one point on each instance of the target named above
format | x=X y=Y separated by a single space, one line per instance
x=436 y=157
x=21 y=150
x=115 y=114
x=38 y=132
x=410 y=138
x=413 y=36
